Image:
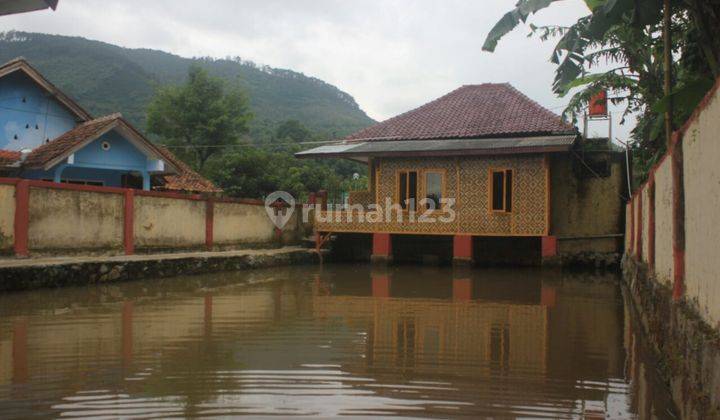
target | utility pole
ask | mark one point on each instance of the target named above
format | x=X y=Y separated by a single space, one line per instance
x=667 y=55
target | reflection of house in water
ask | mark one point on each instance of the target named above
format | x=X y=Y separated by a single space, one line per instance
x=436 y=335
x=497 y=332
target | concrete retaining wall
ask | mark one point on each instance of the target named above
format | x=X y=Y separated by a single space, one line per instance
x=82 y=271
x=672 y=265
x=74 y=220
x=70 y=219
x=242 y=223
x=169 y=223
x=698 y=143
x=663 y=223
x=7 y=218
x=701 y=154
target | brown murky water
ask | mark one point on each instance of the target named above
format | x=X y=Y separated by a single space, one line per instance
x=344 y=340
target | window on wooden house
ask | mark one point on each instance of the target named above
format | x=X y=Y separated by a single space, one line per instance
x=434 y=183
x=501 y=190
x=407 y=189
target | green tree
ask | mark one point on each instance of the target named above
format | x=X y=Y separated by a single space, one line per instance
x=199 y=117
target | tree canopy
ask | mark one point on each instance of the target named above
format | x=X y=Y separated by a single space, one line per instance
x=200 y=117
x=618 y=47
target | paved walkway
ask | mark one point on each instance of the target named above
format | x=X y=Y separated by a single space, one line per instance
x=49 y=261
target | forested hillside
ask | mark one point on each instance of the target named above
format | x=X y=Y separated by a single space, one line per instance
x=106 y=78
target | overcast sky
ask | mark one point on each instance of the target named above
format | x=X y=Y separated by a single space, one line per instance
x=390 y=55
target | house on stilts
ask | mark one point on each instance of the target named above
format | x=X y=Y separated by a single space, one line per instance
x=483 y=174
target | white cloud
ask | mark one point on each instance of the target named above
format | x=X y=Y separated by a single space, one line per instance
x=391 y=55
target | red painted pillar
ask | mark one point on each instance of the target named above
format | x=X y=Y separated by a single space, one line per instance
x=127 y=333
x=639 y=247
x=462 y=290
x=678 y=218
x=382 y=247
x=207 y=319
x=209 y=223
x=549 y=246
x=651 y=223
x=381 y=286
x=22 y=217
x=129 y=222
x=19 y=351
x=462 y=249
x=631 y=251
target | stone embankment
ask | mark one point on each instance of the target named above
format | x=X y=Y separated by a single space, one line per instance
x=23 y=274
x=688 y=348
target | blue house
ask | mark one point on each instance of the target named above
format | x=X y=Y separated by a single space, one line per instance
x=45 y=135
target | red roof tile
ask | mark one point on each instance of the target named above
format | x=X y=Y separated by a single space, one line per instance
x=8 y=157
x=44 y=154
x=186 y=179
x=497 y=110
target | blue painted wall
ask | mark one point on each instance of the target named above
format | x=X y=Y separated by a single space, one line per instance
x=121 y=155
x=93 y=163
x=28 y=113
x=29 y=118
x=109 y=178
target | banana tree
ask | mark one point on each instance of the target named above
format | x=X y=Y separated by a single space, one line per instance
x=617 y=47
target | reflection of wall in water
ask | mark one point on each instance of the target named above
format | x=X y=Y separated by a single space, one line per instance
x=115 y=333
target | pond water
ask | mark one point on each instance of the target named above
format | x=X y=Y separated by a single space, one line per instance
x=341 y=340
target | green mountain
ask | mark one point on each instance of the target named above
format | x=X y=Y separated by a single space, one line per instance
x=105 y=78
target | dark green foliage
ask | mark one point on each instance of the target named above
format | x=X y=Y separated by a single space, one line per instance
x=105 y=78
x=625 y=35
x=293 y=130
x=255 y=171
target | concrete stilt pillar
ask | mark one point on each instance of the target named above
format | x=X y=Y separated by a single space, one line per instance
x=462 y=250
x=382 y=248
x=549 y=250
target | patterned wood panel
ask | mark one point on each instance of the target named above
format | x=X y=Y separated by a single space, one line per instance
x=466 y=180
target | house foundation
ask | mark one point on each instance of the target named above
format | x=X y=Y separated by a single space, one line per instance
x=463 y=250
x=381 y=248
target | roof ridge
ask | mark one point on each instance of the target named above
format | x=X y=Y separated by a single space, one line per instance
x=539 y=105
x=479 y=110
x=18 y=59
x=109 y=117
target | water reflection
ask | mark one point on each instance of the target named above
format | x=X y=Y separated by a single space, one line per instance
x=342 y=340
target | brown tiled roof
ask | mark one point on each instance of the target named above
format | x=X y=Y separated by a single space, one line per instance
x=471 y=111
x=44 y=154
x=186 y=179
x=8 y=157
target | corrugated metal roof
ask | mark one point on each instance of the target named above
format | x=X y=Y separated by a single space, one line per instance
x=444 y=147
